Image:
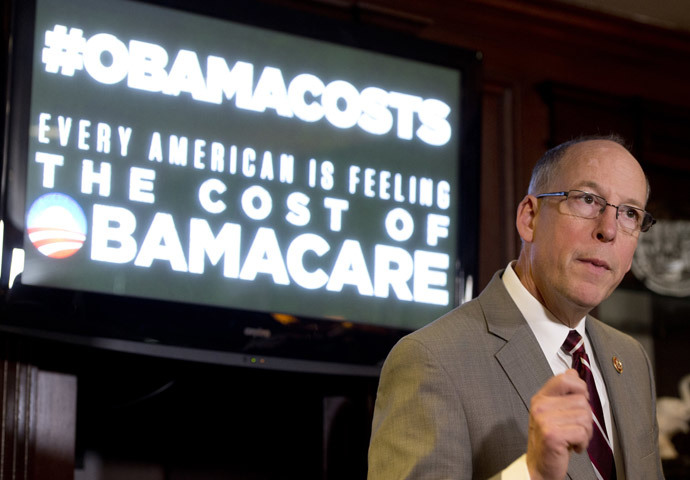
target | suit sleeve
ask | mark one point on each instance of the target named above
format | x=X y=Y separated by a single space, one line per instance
x=419 y=429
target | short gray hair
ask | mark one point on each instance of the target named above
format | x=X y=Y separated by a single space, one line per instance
x=547 y=166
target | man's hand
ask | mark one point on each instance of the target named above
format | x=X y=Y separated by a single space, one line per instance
x=560 y=421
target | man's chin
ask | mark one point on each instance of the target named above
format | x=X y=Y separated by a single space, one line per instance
x=588 y=298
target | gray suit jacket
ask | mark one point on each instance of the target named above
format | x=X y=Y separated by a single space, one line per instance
x=453 y=398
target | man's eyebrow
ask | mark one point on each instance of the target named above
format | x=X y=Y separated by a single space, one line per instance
x=597 y=189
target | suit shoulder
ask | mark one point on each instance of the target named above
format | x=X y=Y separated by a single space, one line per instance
x=466 y=316
x=462 y=326
x=613 y=334
x=618 y=342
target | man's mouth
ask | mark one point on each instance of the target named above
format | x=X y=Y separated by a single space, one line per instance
x=596 y=262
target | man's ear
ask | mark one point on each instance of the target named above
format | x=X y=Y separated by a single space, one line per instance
x=526 y=217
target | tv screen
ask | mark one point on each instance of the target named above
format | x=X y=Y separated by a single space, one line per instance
x=234 y=180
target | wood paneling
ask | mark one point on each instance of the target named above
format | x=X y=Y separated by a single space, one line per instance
x=497 y=237
x=38 y=417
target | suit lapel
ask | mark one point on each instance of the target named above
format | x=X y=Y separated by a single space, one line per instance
x=524 y=364
x=521 y=357
x=616 y=383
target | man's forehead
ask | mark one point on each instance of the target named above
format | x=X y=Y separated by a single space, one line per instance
x=593 y=149
x=604 y=166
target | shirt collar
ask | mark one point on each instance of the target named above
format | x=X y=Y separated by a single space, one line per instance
x=549 y=331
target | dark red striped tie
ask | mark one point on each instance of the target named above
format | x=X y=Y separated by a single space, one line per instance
x=599 y=449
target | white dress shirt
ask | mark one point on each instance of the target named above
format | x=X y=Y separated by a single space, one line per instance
x=550 y=334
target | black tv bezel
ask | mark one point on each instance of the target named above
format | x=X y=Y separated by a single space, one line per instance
x=226 y=336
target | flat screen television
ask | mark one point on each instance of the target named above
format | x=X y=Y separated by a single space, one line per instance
x=233 y=182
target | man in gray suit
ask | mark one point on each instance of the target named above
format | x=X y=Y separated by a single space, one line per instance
x=488 y=390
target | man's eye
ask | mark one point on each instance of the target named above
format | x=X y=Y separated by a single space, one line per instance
x=588 y=199
x=631 y=213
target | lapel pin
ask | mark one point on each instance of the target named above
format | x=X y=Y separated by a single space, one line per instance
x=617 y=364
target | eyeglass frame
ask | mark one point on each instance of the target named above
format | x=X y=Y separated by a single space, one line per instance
x=646 y=214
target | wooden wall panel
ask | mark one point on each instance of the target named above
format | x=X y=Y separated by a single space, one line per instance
x=38 y=417
x=55 y=419
x=17 y=381
x=497 y=235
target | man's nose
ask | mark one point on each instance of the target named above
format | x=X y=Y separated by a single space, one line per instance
x=607 y=224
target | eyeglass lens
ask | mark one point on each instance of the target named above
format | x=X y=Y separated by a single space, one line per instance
x=589 y=205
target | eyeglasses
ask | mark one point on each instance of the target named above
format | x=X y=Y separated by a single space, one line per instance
x=588 y=205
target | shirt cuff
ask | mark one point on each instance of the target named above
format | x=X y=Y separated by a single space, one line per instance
x=516 y=470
